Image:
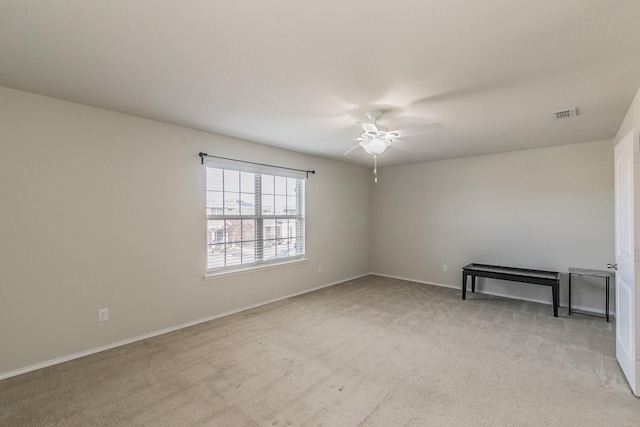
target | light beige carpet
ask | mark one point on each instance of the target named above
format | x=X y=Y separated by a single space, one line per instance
x=370 y=352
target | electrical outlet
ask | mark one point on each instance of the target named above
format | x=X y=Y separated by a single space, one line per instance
x=444 y=267
x=103 y=315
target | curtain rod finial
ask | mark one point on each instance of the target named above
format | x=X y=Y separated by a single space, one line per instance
x=202 y=156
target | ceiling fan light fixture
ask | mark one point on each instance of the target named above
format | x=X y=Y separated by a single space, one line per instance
x=374 y=138
x=375 y=146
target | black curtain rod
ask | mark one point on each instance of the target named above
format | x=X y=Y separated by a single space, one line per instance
x=203 y=155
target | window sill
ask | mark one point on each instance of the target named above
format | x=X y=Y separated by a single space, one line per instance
x=231 y=272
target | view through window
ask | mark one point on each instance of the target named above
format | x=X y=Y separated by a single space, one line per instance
x=253 y=217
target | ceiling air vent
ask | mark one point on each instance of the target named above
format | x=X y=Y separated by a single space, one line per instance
x=565 y=114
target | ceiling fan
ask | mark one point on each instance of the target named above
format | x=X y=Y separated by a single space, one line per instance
x=376 y=138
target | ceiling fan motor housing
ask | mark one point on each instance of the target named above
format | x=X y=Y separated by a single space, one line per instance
x=374 y=115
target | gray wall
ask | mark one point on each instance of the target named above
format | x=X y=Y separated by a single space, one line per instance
x=631 y=120
x=549 y=208
x=100 y=209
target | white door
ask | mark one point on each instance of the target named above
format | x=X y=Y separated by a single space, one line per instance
x=625 y=258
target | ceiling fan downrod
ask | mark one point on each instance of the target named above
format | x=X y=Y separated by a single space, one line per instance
x=375 y=168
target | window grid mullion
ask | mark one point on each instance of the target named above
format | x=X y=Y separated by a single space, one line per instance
x=284 y=223
x=259 y=241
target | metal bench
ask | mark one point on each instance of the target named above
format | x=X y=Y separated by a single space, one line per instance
x=513 y=274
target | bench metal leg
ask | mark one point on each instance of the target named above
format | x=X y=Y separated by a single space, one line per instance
x=464 y=285
x=569 y=294
x=606 y=309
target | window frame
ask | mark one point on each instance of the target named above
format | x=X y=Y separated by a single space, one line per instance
x=258 y=218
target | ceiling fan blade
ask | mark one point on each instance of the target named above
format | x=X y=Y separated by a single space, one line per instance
x=351 y=149
x=368 y=127
x=420 y=130
x=330 y=139
x=400 y=145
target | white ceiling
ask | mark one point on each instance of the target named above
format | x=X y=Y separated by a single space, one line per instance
x=293 y=73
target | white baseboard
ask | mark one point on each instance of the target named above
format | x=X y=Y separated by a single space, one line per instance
x=501 y=294
x=63 y=359
x=408 y=279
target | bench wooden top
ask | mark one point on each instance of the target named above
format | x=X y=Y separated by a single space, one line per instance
x=525 y=272
x=591 y=272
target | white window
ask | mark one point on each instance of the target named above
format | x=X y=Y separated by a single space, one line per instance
x=255 y=216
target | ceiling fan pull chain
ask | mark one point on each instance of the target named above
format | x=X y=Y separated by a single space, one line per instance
x=375 y=168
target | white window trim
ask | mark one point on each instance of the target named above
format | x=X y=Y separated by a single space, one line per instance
x=261 y=265
x=210 y=275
